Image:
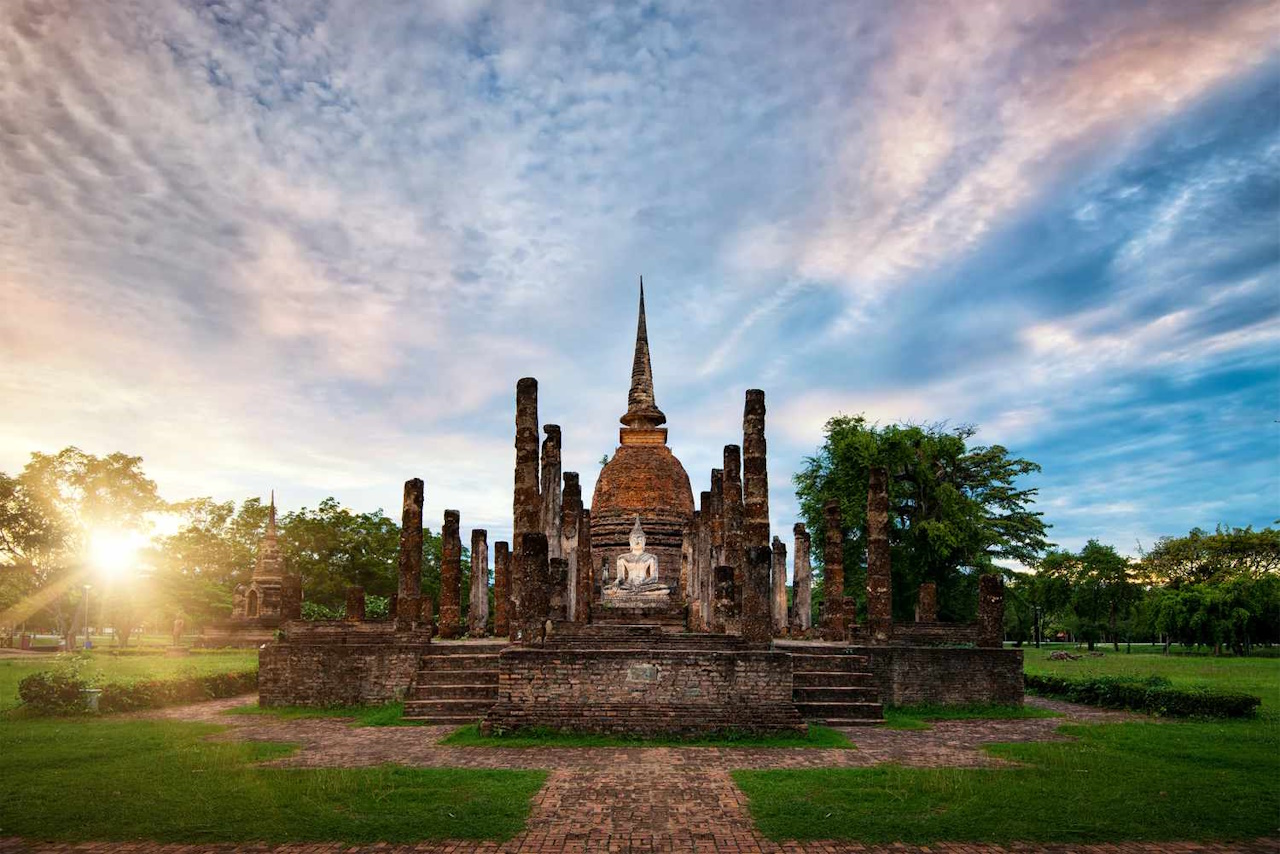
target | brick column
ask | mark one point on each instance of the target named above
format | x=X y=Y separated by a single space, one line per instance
x=879 y=572
x=833 y=619
x=450 y=576
x=778 y=587
x=584 y=581
x=501 y=589
x=990 y=610
x=801 y=583
x=570 y=539
x=478 y=610
x=927 y=603
x=733 y=512
x=355 y=604
x=526 y=498
x=409 y=590
x=757 y=623
x=551 y=513
x=530 y=582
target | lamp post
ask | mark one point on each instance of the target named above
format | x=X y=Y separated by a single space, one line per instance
x=86 y=615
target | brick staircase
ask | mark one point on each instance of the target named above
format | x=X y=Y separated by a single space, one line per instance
x=456 y=683
x=833 y=687
x=640 y=637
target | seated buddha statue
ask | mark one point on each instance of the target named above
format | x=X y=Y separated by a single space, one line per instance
x=637 y=570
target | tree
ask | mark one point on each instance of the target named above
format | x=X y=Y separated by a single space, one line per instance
x=954 y=510
x=1213 y=558
x=70 y=497
x=1101 y=585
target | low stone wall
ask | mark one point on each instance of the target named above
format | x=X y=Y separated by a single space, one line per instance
x=908 y=675
x=935 y=634
x=646 y=692
x=339 y=663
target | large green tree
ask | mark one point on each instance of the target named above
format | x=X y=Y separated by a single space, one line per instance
x=1102 y=588
x=955 y=509
x=55 y=508
x=1213 y=557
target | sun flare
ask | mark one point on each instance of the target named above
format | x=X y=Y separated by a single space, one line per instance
x=114 y=553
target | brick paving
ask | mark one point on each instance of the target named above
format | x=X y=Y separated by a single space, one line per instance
x=679 y=800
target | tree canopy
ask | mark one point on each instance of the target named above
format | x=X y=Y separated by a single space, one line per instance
x=954 y=509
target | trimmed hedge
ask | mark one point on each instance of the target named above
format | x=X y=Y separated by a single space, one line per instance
x=1154 y=695
x=58 y=693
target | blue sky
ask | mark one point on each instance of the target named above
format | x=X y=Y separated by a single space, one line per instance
x=312 y=245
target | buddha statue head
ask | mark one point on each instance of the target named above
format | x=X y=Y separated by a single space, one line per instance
x=637 y=538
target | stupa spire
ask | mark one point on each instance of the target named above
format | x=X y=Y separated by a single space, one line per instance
x=642 y=410
x=271 y=516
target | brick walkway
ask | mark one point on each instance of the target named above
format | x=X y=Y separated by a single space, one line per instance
x=630 y=799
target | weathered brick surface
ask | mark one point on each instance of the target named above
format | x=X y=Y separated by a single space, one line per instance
x=757 y=622
x=450 y=576
x=990 y=610
x=501 y=589
x=935 y=634
x=833 y=612
x=644 y=691
x=338 y=663
x=927 y=603
x=910 y=674
x=801 y=583
x=732 y=537
x=879 y=574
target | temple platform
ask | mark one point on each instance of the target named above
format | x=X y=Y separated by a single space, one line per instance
x=668 y=616
x=643 y=679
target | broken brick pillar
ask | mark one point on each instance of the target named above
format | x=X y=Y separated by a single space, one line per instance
x=990 y=610
x=570 y=529
x=530 y=586
x=703 y=566
x=757 y=622
x=686 y=562
x=527 y=498
x=723 y=618
x=450 y=577
x=409 y=590
x=833 y=617
x=501 y=589
x=778 y=588
x=355 y=605
x=551 y=514
x=879 y=572
x=584 y=578
x=755 y=473
x=715 y=544
x=478 y=610
x=425 y=615
x=927 y=603
x=801 y=583
x=558 y=589
x=733 y=513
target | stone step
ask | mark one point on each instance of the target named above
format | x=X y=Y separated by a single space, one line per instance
x=840 y=711
x=804 y=662
x=472 y=710
x=458 y=662
x=467 y=648
x=454 y=692
x=832 y=679
x=828 y=694
x=840 y=722
x=441 y=720
x=457 y=677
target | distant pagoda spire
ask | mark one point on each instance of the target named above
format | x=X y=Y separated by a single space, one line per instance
x=270 y=561
x=642 y=410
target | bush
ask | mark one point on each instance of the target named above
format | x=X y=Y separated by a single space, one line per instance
x=154 y=693
x=58 y=691
x=1154 y=695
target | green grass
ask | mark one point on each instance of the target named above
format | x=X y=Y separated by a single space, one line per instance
x=126 y=668
x=918 y=717
x=389 y=714
x=1131 y=781
x=818 y=736
x=117 y=780
x=1257 y=676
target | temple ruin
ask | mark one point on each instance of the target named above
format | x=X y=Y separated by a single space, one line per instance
x=643 y=614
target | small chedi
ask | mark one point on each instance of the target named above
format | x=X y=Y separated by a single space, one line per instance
x=641 y=613
x=272 y=597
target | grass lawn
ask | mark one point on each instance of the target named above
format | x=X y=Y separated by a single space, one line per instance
x=1131 y=781
x=918 y=717
x=818 y=736
x=125 y=668
x=1251 y=675
x=389 y=714
x=121 y=780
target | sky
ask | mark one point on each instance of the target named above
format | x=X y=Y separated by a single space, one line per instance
x=311 y=246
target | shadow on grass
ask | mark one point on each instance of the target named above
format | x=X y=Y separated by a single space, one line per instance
x=161 y=780
x=919 y=716
x=388 y=714
x=1115 y=782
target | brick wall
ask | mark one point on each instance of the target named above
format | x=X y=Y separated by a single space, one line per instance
x=644 y=691
x=935 y=634
x=332 y=663
x=908 y=675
